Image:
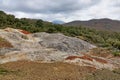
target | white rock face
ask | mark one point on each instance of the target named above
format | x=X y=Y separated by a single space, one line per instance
x=45 y=47
x=63 y=43
x=39 y=41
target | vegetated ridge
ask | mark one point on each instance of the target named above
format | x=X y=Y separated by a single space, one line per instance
x=99 y=24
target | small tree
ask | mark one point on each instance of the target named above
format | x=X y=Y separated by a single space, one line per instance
x=39 y=23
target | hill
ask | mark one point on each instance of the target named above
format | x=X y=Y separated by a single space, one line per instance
x=99 y=24
x=58 y=22
x=54 y=55
x=31 y=47
x=109 y=40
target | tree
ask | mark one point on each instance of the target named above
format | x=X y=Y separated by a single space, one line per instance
x=39 y=23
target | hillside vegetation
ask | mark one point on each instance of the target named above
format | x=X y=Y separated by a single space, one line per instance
x=109 y=40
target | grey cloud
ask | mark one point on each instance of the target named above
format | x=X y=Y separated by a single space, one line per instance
x=66 y=10
x=46 y=6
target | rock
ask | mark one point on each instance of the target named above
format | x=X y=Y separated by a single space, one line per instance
x=46 y=47
x=43 y=46
x=63 y=43
x=3 y=51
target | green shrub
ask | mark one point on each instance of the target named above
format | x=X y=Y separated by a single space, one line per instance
x=3 y=71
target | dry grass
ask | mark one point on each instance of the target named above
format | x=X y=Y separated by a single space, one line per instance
x=104 y=75
x=24 y=70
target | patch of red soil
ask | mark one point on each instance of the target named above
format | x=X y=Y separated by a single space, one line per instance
x=83 y=57
x=87 y=58
x=91 y=68
x=5 y=44
x=6 y=30
x=100 y=60
x=24 y=32
x=71 y=57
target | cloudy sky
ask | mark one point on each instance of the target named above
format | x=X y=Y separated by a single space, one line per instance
x=65 y=10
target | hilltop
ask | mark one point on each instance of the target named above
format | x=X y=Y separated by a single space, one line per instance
x=99 y=24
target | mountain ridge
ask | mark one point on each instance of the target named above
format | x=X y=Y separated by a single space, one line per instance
x=99 y=24
x=58 y=22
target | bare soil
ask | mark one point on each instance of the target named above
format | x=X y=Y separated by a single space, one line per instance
x=4 y=43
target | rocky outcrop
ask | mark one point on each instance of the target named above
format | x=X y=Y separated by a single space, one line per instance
x=63 y=43
x=44 y=47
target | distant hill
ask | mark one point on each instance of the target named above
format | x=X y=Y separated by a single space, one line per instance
x=100 y=24
x=58 y=22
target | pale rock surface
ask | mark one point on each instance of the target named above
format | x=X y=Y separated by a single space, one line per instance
x=44 y=47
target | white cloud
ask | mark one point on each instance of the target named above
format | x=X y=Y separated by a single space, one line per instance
x=66 y=10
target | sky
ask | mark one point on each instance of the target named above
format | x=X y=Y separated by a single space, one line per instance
x=64 y=10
